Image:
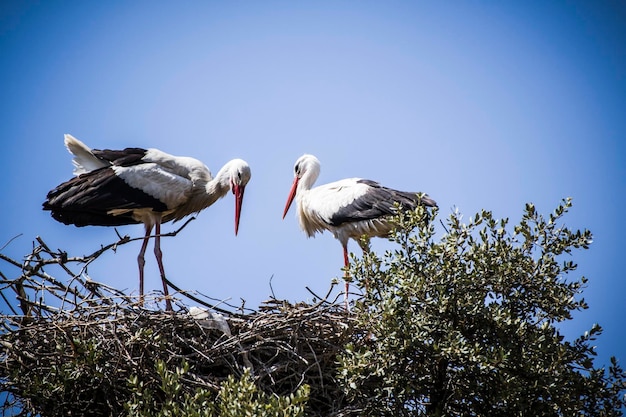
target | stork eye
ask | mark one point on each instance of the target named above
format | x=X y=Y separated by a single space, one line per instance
x=297 y=169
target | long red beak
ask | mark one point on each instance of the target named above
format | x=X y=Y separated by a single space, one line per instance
x=238 y=191
x=292 y=194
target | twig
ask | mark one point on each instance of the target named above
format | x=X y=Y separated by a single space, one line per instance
x=9 y=241
x=325 y=299
x=444 y=226
x=271 y=287
x=199 y=301
x=126 y=239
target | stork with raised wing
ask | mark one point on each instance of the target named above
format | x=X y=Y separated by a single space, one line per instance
x=134 y=185
x=351 y=208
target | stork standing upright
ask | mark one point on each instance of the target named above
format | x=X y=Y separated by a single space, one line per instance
x=351 y=208
x=134 y=185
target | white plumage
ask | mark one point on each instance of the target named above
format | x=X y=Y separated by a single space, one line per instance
x=351 y=208
x=134 y=185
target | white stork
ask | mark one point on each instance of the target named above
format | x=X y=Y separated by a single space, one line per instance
x=351 y=208
x=134 y=185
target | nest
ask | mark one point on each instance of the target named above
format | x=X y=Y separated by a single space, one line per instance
x=69 y=347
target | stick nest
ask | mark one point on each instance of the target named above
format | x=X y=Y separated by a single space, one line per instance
x=69 y=347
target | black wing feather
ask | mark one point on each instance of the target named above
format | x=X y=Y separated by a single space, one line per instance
x=124 y=157
x=377 y=203
x=86 y=199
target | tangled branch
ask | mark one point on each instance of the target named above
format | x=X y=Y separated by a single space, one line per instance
x=71 y=345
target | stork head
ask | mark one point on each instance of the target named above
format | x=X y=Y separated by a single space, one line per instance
x=239 y=175
x=306 y=171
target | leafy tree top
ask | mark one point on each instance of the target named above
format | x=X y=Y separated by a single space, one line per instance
x=468 y=325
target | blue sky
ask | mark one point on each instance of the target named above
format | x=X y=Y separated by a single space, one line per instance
x=479 y=104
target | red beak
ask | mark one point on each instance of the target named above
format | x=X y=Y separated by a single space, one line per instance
x=292 y=194
x=238 y=191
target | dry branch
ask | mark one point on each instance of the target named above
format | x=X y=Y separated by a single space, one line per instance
x=70 y=345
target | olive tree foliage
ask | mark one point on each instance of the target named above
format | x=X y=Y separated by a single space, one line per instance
x=469 y=325
x=235 y=398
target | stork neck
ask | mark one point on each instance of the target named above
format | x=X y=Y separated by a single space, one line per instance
x=218 y=187
x=307 y=180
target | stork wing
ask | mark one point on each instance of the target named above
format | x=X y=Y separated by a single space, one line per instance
x=108 y=196
x=370 y=201
x=123 y=157
x=155 y=181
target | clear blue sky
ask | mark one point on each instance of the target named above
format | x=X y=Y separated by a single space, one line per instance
x=480 y=104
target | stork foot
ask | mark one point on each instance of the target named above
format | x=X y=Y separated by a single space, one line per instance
x=168 y=304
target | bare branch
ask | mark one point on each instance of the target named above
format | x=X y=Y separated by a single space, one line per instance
x=9 y=241
x=101 y=337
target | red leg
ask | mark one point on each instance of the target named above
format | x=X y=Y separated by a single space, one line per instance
x=141 y=261
x=345 y=274
x=159 y=258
